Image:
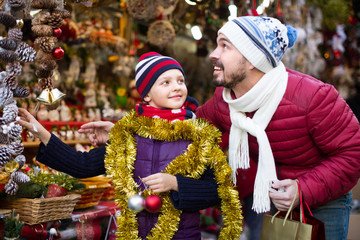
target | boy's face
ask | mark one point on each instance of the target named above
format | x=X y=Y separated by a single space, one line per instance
x=168 y=91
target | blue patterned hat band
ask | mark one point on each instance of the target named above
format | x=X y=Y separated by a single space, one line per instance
x=263 y=41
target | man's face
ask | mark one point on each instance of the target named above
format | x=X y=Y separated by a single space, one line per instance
x=229 y=64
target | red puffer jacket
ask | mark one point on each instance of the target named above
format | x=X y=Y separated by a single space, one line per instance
x=313 y=134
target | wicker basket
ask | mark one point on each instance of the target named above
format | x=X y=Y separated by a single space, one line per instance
x=92 y=194
x=38 y=210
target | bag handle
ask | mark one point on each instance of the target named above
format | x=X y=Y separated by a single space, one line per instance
x=302 y=216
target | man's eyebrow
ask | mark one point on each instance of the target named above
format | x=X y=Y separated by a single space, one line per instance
x=223 y=39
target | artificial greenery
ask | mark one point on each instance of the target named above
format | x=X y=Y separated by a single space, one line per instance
x=12 y=227
x=60 y=179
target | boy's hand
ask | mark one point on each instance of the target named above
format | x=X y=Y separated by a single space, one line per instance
x=99 y=131
x=31 y=124
x=161 y=182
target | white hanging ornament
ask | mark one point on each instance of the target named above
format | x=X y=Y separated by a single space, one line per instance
x=136 y=203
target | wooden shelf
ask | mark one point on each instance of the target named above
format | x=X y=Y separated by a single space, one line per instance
x=69 y=142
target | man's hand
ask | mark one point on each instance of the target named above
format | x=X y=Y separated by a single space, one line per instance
x=99 y=131
x=282 y=199
x=161 y=182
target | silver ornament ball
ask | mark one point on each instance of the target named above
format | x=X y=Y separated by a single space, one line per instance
x=136 y=203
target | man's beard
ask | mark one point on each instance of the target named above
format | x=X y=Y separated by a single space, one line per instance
x=235 y=78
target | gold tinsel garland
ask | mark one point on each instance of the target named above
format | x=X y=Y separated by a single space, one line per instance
x=201 y=153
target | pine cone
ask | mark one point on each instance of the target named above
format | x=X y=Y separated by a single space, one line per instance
x=46 y=44
x=19 y=177
x=16 y=148
x=63 y=13
x=7 y=56
x=40 y=18
x=14 y=68
x=43 y=4
x=48 y=65
x=21 y=160
x=4 y=139
x=10 y=82
x=3 y=74
x=16 y=5
x=10 y=112
x=46 y=83
x=4 y=155
x=8 y=44
x=15 y=132
x=20 y=92
x=42 y=56
x=15 y=34
x=55 y=20
x=43 y=73
x=5 y=95
x=11 y=187
x=25 y=53
x=42 y=30
x=7 y=19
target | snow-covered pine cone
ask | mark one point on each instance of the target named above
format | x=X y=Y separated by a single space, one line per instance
x=16 y=148
x=15 y=132
x=11 y=187
x=25 y=53
x=10 y=82
x=20 y=92
x=19 y=177
x=10 y=112
x=21 y=160
x=14 y=68
x=4 y=155
x=5 y=95
x=15 y=33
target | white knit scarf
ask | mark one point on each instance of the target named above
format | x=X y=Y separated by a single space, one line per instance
x=263 y=98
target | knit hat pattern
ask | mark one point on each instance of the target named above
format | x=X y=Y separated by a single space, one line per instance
x=150 y=66
x=263 y=41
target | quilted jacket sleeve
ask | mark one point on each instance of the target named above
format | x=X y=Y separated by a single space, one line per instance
x=59 y=156
x=336 y=132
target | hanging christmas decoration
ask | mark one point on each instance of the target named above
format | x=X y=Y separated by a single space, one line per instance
x=153 y=203
x=46 y=25
x=160 y=33
x=12 y=52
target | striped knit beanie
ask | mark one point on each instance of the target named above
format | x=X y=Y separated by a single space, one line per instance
x=263 y=41
x=150 y=66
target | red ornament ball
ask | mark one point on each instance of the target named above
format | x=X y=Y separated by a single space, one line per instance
x=153 y=203
x=58 y=53
x=57 y=32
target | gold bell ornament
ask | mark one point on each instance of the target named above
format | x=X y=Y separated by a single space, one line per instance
x=49 y=97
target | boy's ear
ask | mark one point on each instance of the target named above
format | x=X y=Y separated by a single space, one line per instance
x=147 y=98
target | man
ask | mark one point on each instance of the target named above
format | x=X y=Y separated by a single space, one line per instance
x=281 y=125
x=289 y=124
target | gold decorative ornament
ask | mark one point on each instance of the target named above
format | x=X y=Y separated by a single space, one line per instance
x=203 y=152
x=11 y=167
